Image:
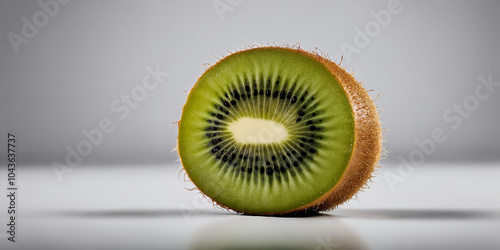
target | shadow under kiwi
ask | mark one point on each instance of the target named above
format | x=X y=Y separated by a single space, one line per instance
x=418 y=214
x=132 y=213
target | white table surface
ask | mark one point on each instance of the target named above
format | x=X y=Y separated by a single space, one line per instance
x=147 y=207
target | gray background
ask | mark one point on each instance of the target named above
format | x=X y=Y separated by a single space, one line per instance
x=90 y=53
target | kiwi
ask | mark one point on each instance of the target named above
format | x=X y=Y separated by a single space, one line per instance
x=278 y=130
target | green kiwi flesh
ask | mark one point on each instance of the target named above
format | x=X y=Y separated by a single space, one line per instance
x=270 y=131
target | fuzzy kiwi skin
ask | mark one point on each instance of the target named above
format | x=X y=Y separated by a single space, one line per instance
x=367 y=146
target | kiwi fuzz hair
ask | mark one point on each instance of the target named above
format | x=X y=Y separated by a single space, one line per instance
x=366 y=145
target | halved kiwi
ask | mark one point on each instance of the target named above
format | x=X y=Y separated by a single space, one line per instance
x=275 y=130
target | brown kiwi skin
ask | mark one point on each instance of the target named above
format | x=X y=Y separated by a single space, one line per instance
x=367 y=147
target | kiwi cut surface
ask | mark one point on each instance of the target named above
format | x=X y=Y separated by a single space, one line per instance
x=276 y=130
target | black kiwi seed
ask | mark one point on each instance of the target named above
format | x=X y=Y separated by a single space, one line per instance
x=236 y=95
x=269 y=171
x=214 y=150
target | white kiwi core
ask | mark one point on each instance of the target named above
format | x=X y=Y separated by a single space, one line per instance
x=248 y=130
